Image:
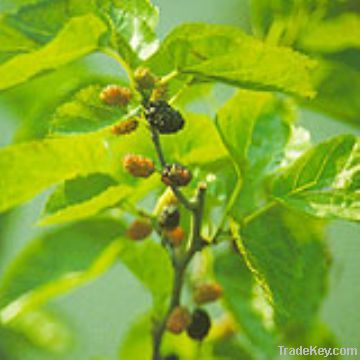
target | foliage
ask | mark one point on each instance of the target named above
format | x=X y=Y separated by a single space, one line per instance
x=263 y=193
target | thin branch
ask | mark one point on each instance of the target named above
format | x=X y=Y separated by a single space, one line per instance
x=180 y=269
x=181 y=197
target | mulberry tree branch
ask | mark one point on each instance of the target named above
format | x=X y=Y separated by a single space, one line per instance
x=196 y=244
x=181 y=197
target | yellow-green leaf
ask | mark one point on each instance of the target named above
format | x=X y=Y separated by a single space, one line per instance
x=79 y=37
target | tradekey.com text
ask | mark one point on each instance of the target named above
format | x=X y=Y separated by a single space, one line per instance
x=316 y=351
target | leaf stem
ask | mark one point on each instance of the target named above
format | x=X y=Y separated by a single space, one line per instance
x=251 y=217
x=229 y=205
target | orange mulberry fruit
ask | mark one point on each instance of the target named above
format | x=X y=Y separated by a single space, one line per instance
x=125 y=127
x=116 y=95
x=178 y=320
x=139 y=230
x=138 y=165
x=205 y=293
x=176 y=175
x=175 y=236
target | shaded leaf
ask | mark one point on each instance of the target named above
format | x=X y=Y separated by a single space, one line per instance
x=285 y=252
x=78 y=190
x=256 y=128
x=136 y=344
x=150 y=263
x=323 y=181
x=238 y=283
x=335 y=96
x=57 y=263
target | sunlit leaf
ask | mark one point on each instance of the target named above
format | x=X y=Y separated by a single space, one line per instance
x=108 y=198
x=44 y=330
x=85 y=112
x=333 y=35
x=226 y=54
x=132 y=25
x=30 y=168
x=79 y=37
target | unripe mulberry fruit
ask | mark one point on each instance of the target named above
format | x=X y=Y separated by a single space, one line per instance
x=199 y=326
x=205 y=293
x=175 y=236
x=139 y=230
x=169 y=218
x=166 y=199
x=163 y=117
x=176 y=175
x=138 y=165
x=178 y=320
x=116 y=95
x=160 y=93
x=144 y=78
x=125 y=127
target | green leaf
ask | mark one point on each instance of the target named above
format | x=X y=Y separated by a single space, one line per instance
x=333 y=35
x=136 y=344
x=284 y=250
x=255 y=127
x=238 y=284
x=32 y=167
x=107 y=199
x=43 y=329
x=132 y=25
x=85 y=112
x=324 y=181
x=79 y=37
x=41 y=20
x=57 y=263
x=335 y=96
x=198 y=142
x=226 y=54
x=78 y=190
x=13 y=42
x=150 y=263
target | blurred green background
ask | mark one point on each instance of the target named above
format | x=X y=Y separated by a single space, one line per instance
x=101 y=312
